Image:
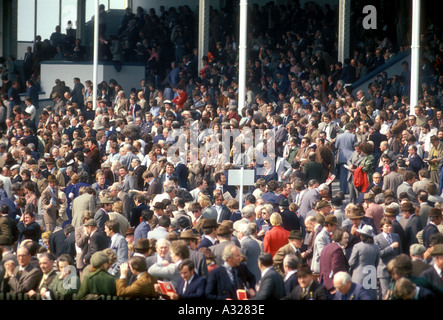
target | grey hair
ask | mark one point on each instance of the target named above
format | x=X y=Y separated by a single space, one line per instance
x=227 y=252
x=162 y=241
x=247 y=211
x=292 y=261
x=323 y=187
x=343 y=277
x=244 y=228
x=117 y=185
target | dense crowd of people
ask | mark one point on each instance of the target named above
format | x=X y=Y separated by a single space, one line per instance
x=132 y=195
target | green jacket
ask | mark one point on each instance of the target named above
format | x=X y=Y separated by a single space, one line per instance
x=98 y=282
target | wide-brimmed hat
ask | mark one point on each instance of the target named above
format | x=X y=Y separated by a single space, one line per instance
x=322 y=203
x=437 y=250
x=210 y=223
x=331 y=219
x=434 y=212
x=295 y=234
x=366 y=230
x=407 y=206
x=106 y=200
x=142 y=244
x=355 y=214
x=224 y=230
x=391 y=212
x=284 y=203
x=51 y=178
x=129 y=231
x=188 y=235
x=368 y=196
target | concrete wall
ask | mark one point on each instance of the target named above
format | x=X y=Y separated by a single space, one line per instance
x=129 y=77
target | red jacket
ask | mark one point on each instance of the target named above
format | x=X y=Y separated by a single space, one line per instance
x=361 y=180
x=274 y=239
x=180 y=99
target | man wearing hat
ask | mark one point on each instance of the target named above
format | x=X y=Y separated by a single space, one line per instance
x=413 y=224
x=101 y=216
x=435 y=217
x=290 y=219
x=321 y=240
x=295 y=242
x=53 y=203
x=358 y=220
x=416 y=252
x=209 y=229
x=224 y=236
x=98 y=281
x=98 y=241
x=196 y=256
x=323 y=209
x=372 y=209
x=435 y=274
x=159 y=209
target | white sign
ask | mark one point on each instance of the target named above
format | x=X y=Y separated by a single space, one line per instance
x=235 y=177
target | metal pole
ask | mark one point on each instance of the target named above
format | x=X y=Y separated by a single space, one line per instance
x=415 y=54
x=242 y=54
x=95 y=62
x=240 y=196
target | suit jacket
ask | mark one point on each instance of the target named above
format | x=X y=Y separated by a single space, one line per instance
x=418 y=266
x=217 y=250
x=404 y=187
x=356 y=292
x=120 y=247
x=432 y=276
x=138 y=175
x=428 y=231
x=271 y=287
x=50 y=215
x=101 y=216
x=306 y=202
x=136 y=214
x=290 y=283
x=224 y=215
x=194 y=290
x=251 y=250
x=332 y=260
x=141 y=231
x=344 y=143
x=281 y=254
x=128 y=183
x=387 y=252
x=154 y=188
x=280 y=137
x=316 y=291
x=199 y=259
x=98 y=241
x=143 y=287
x=84 y=202
x=322 y=239
x=413 y=226
x=24 y=281
x=392 y=181
x=363 y=254
x=167 y=273
x=220 y=287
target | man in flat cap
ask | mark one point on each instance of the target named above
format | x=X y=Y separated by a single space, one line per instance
x=416 y=252
x=295 y=243
x=98 y=282
x=431 y=228
x=98 y=241
x=435 y=274
x=209 y=229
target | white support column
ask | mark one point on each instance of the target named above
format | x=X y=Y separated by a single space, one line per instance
x=96 y=48
x=344 y=29
x=415 y=55
x=203 y=31
x=242 y=51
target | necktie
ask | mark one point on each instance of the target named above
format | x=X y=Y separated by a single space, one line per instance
x=304 y=294
x=185 y=286
x=389 y=239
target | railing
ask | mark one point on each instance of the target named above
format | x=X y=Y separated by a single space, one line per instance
x=25 y=297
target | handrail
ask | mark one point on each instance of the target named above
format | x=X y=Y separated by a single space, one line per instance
x=401 y=56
